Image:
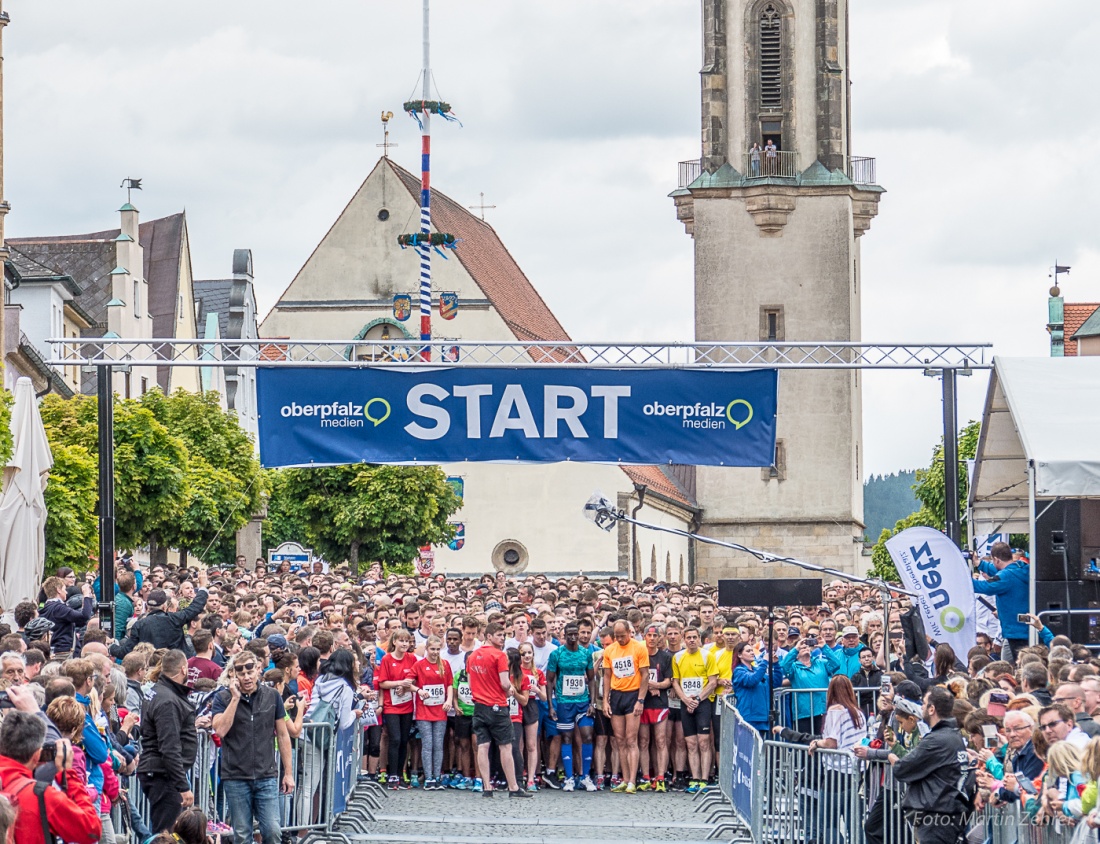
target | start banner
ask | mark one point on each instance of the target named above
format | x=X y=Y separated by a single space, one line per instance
x=543 y=414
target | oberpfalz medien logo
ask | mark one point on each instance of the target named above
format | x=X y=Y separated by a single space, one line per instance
x=712 y=415
x=339 y=414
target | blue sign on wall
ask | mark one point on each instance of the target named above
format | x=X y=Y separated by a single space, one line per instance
x=327 y=417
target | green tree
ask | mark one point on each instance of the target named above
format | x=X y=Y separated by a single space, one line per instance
x=6 y=401
x=150 y=463
x=369 y=513
x=72 y=526
x=284 y=522
x=930 y=490
x=225 y=485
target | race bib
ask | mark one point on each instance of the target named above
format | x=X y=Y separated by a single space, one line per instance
x=623 y=667
x=398 y=696
x=673 y=702
x=692 y=685
x=513 y=706
x=653 y=676
x=573 y=685
x=465 y=695
x=436 y=695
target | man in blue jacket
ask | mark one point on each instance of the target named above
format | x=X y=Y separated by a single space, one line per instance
x=1009 y=584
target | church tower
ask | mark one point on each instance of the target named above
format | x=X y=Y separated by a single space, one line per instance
x=776 y=232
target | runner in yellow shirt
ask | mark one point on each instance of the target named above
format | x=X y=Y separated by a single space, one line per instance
x=694 y=679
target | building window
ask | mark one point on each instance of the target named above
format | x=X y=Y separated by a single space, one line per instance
x=181 y=308
x=137 y=299
x=778 y=470
x=144 y=386
x=771 y=59
x=771 y=324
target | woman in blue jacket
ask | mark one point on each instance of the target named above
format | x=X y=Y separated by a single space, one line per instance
x=750 y=685
x=806 y=671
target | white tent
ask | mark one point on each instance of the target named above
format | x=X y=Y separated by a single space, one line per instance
x=22 y=505
x=1039 y=442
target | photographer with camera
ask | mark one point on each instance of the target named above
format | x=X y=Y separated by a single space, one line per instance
x=807 y=671
x=44 y=811
x=160 y=628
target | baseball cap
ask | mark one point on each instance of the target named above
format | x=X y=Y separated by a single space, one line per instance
x=907 y=707
x=157 y=598
x=277 y=642
x=850 y=631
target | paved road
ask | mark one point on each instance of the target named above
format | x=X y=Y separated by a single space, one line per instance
x=550 y=816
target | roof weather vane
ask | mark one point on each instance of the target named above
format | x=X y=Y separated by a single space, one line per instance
x=482 y=207
x=386 y=144
x=130 y=185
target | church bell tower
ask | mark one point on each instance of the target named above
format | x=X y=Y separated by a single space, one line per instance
x=776 y=205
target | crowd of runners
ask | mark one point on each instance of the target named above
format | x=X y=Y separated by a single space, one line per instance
x=482 y=684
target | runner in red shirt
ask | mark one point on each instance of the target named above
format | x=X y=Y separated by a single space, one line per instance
x=395 y=680
x=490 y=686
x=435 y=691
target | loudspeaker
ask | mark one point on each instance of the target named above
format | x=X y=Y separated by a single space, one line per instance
x=1058 y=551
x=1082 y=595
x=770 y=592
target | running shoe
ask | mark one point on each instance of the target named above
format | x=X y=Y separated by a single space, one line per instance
x=659 y=786
x=446 y=781
x=477 y=785
x=519 y=792
x=644 y=785
x=532 y=787
x=631 y=788
x=550 y=780
x=588 y=784
x=616 y=781
x=568 y=785
x=619 y=789
x=693 y=787
x=382 y=778
x=599 y=783
x=462 y=783
x=414 y=781
x=679 y=784
x=393 y=783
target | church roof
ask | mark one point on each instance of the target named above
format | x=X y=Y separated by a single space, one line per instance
x=1076 y=314
x=89 y=259
x=491 y=265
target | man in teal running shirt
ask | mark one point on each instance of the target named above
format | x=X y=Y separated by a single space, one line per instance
x=570 y=677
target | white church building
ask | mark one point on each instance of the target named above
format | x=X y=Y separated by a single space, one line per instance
x=514 y=518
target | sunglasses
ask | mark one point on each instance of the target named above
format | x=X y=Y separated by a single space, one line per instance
x=241 y=669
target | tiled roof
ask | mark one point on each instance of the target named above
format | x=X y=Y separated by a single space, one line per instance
x=655 y=479
x=1076 y=315
x=162 y=242
x=213 y=296
x=275 y=351
x=491 y=266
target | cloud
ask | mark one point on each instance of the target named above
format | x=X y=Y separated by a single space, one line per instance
x=261 y=119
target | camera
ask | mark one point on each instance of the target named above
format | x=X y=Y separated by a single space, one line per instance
x=812 y=642
x=49 y=751
x=5 y=701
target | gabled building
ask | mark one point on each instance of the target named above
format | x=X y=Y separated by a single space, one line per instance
x=515 y=517
x=135 y=282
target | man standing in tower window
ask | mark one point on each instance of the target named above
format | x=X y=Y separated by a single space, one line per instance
x=754 y=159
x=771 y=154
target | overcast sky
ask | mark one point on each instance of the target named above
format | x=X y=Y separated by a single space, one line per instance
x=261 y=120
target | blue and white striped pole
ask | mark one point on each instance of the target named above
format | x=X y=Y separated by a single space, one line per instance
x=426 y=200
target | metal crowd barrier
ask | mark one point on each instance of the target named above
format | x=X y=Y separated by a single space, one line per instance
x=788 y=702
x=321 y=798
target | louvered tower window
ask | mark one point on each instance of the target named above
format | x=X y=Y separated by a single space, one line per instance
x=771 y=59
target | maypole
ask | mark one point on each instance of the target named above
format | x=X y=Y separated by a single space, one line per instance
x=426 y=196
x=422 y=110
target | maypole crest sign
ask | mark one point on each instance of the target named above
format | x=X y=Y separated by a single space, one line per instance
x=535 y=414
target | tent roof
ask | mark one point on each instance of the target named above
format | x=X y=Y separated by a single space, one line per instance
x=1043 y=411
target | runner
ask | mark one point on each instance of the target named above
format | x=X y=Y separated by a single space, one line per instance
x=536 y=682
x=570 y=679
x=435 y=690
x=694 y=678
x=394 y=678
x=654 y=730
x=490 y=685
x=626 y=679
x=674 y=641
x=465 y=748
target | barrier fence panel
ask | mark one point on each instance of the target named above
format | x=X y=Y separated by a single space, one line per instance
x=795 y=708
x=740 y=771
x=811 y=796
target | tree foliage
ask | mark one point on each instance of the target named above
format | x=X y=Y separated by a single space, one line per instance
x=72 y=526
x=6 y=401
x=150 y=463
x=366 y=513
x=225 y=484
x=930 y=490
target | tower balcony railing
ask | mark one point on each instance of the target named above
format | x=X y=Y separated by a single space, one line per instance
x=861 y=170
x=689 y=172
x=783 y=164
x=762 y=163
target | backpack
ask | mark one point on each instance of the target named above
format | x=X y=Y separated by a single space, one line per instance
x=13 y=791
x=322 y=712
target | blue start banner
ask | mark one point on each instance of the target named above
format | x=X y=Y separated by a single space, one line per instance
x=541 y=414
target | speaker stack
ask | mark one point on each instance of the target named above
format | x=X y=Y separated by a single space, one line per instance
x=1066 y=567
